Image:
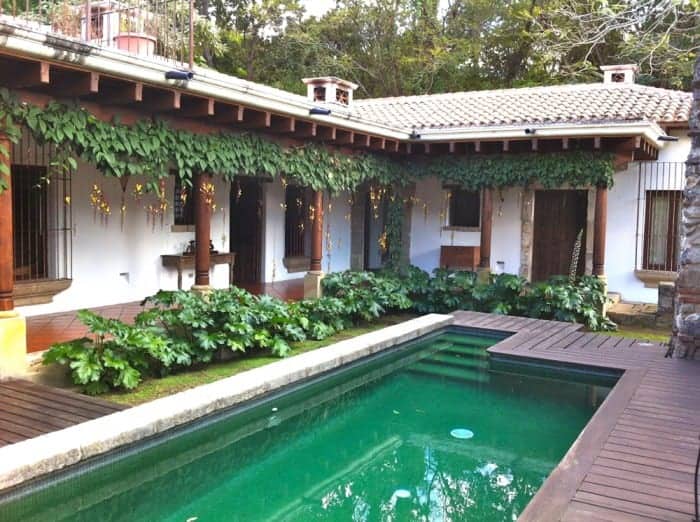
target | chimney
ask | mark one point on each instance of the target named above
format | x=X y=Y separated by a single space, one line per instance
x=625 y=73
x=329 y=89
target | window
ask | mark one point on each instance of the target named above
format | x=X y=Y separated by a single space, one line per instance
x=465 y=206
x=661 y=229
x=183 y=203
x=295 y=202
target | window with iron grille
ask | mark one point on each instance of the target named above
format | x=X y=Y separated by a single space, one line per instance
x=42 y=214
x=183 y=203
x=661 y=229
x=659 y=202
x=296 y=205
x=465 y=208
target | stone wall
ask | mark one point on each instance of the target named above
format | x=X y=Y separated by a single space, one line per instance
x=686 y=325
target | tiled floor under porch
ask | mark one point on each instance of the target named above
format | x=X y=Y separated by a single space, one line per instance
x=44 y=330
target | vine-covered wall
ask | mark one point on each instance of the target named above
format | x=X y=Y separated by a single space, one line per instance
x=152 y=147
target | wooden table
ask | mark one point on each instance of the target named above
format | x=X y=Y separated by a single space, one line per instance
x=183 y=262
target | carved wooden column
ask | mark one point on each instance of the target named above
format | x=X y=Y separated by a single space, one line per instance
x=317 y=233
x=486 y=228
x=599 y=228
x=13 y=327
x=312 y=280
x=7 y=272
x=202 y=232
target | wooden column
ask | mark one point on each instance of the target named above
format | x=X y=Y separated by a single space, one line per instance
x=7 y=270
x=599 y=226
x=486 y=226
x=202 y=231
x=317 y=233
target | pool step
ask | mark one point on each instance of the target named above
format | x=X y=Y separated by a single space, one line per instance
x=468 y=340
x=448 y=359
x=450 y=372
x=477 y=352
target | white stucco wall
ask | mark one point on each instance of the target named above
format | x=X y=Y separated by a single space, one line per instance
x=112 y=264
x=337 y=237
x=429 y=217
x=623 y=235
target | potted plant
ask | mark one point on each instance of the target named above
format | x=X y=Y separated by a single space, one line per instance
x=135 y=35
x=65 y=19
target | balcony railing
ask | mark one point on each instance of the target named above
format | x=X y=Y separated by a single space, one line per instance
x=154 y=29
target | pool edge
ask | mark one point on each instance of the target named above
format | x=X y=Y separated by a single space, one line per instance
x=33 y=458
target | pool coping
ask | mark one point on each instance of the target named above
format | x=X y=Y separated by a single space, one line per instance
x=41 y=456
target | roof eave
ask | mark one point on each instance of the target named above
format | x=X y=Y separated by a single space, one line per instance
x=22 y=42
x=650 y=130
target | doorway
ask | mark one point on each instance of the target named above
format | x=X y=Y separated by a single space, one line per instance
x=246 y=229
x=559 y=240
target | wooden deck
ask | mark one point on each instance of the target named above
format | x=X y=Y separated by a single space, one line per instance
x=28 y=410
x=635 y=459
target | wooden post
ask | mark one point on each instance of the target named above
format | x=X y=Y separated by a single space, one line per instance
x=317 y=233
x=486 y=226
x=202 y=231
x=7 y=269
x=312 y=280
x=599 y=226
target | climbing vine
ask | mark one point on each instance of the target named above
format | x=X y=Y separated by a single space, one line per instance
x=152 y=147
x=392 y=229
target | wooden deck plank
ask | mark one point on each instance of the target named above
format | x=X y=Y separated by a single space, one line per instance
x=643 y=467
x=28 y=410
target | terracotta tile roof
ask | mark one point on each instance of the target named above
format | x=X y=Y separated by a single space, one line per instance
x=561 y=104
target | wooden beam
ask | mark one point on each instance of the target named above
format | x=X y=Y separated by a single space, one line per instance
x=225 y=113
x=362 y=140
x=535 y=144
x=165 y=100
x=83 y=85
x=392 y=145
x=565 y=143
x=197 y=107
x=477 y=146
x=326 y=133
x=282 y=124
x=305 y=129
x=426 y=148
x=344 y=137
x=124 y=95
x=596 y=142
x=256 y=119
x=506 y=145
x=377 y=143
x=451 y=147
x=29 y=75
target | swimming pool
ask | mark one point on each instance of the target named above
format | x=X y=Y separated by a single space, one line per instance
x=434 y=430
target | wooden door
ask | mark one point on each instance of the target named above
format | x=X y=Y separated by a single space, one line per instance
x=246 y=229
x=560 y=216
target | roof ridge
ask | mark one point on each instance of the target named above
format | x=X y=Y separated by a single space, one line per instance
x=524 y=90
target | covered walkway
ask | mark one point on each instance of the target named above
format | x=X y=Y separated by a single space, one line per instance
x=44 y=330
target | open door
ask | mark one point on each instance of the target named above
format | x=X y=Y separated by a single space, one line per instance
x=246 y=229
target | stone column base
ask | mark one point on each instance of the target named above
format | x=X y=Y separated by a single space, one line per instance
x=201 y=289
x=312 y=284
x=483 y=274
x=604 y=279
x=13 y=344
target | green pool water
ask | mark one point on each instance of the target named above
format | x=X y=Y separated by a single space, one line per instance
x=372 y=442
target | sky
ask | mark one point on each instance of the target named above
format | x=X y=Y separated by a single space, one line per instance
x=317 y=7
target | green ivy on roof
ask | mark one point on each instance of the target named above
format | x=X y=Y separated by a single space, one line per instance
x=151 y=148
